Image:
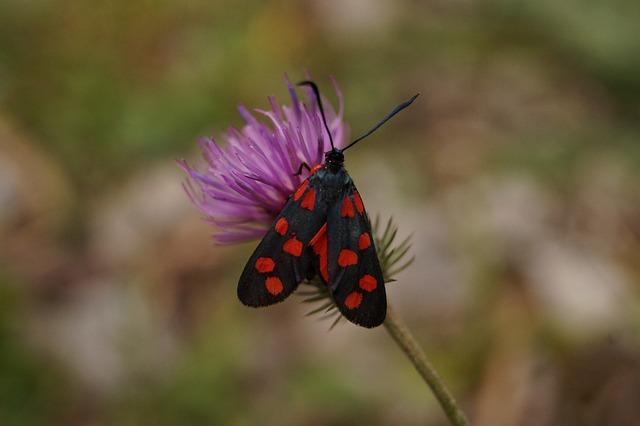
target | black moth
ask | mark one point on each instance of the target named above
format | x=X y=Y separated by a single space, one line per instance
x=323 y=229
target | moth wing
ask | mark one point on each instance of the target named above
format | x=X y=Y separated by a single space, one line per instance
x=281 y=260
x=355 y=276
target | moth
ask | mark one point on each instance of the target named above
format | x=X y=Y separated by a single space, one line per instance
x=323 y=229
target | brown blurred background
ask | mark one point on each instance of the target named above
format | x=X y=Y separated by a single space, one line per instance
x=517 y=173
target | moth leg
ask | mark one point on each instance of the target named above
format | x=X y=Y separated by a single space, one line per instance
x=303 y=165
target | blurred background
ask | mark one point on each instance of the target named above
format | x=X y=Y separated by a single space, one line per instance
x=517 y=172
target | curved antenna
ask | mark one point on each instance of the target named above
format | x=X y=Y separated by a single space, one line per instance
x=314 y=87
x=393 y=112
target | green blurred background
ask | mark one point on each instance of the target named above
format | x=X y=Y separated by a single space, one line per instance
x=516 y=172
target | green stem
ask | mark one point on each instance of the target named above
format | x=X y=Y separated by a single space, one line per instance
x=403 y=337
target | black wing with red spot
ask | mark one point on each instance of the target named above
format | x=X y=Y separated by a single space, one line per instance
x=355 y=276
x=282 y=259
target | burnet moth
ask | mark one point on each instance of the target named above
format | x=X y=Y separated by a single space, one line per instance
x=323 y=229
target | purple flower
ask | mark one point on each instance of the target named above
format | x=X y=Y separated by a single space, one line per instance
x=245 y=183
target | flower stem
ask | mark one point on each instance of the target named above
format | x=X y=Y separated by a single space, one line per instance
x=403 y=337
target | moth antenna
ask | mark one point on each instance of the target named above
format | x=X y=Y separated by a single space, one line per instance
x=316 y=92
x=388 y=117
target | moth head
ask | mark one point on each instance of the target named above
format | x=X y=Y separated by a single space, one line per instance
x=334 y=158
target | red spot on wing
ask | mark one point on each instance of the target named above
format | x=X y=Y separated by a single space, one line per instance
x=319 y=245
x=347 y=258
x=358 y=201
x=315 y=168
x=293 y=246
x=368 y=283
x=265 y=264
x=346 y=209
x=281 y=226
x=274 y=285
x=300 y=190
x=309 y=200
x=364 y=241
x=353 y=300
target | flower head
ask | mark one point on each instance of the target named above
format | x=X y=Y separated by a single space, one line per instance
x=246 y=182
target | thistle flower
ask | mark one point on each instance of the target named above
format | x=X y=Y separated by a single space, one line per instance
x=246 y=182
